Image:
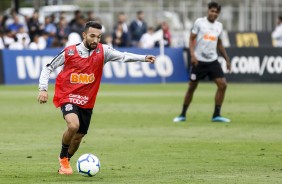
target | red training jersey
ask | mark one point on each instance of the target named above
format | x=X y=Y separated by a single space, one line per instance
x=79 y=81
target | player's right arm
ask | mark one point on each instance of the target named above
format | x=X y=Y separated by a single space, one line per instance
x=192 y=42
x=45 y=76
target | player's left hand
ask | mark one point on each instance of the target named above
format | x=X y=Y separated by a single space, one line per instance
x=42 y=97
x=150 y=59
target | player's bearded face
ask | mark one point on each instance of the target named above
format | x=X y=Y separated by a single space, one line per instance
x=213 y=14
x=91 y=38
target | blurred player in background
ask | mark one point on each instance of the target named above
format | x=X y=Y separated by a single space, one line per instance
x=277 y=33
x=205 y=41
x=78 y=83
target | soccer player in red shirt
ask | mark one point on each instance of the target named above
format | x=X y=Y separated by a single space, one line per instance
x=78 y=83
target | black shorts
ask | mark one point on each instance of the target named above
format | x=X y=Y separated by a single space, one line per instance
x=211 y=69
x=84 y=116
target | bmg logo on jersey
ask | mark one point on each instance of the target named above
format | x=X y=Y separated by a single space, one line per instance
x=209 y=37
x=82 y=78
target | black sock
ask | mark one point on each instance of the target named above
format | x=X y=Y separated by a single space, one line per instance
x=69 y=156
x=64 y=150
x=216 y=110
x=184 y=110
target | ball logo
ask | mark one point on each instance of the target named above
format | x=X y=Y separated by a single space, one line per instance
x=82 y=78
x=193 y=76
x=70 y=52
x=68 y=107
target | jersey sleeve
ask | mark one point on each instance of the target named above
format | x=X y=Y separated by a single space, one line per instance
x=277 y=33
x=48 y=69
x=112 y=55
x=196 y=27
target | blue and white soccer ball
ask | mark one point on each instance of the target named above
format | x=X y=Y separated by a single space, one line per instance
x=88 y=165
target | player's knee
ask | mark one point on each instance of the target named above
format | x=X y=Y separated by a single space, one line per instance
x=222 y=86
x=73 y=126
x=72 y=122
x=192 y=86
x=192 y=89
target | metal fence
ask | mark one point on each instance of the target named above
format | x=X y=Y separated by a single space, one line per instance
x=236 y=15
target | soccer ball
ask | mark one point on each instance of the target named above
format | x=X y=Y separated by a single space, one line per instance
x=88 y=165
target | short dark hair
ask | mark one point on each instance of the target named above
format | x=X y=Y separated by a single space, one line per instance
x=139 y=12
x=280 y=18
x=93 y=24
x=213 y=4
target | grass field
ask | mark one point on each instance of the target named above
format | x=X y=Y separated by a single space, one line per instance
x=133 y=135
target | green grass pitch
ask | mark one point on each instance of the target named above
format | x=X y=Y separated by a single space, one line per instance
x=133 y=135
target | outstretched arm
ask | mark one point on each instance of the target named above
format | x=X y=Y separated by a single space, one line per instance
x=112 y=55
